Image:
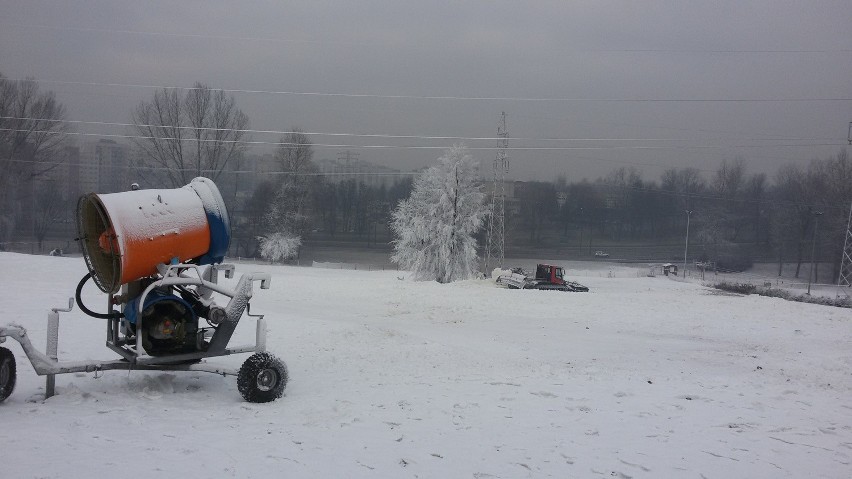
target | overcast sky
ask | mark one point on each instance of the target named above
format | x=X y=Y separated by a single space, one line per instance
x=774 y=77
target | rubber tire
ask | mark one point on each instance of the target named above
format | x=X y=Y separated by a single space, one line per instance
x=250 y=372
x=7 y=364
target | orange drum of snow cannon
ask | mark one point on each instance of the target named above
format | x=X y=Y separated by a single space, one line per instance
x=126 y=235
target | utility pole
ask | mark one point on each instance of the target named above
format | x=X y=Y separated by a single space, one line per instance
x=817 y=214
x=686 y=248
x=580 y=248
x=844 y=279
x=495 y=247
x=33 y=212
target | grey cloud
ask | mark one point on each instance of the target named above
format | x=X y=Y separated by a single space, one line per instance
x=505 y=49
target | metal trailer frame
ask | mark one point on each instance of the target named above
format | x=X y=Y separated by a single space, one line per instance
x=132 y=353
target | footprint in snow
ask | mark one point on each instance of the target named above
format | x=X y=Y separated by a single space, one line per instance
x=544 y=394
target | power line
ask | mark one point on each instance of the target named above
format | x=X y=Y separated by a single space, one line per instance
x=632 y=163
x=337 y=43
x=596 y=184
x=381 y=135
x=646 y=126
x=446 y=97
x=241 y=172
x=46 y=162
x=422 y=147
x=194 y=35
x=709 y=196
x=694 y=50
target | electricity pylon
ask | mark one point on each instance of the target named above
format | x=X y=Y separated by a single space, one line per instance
x=495 y=247
x=844 y=279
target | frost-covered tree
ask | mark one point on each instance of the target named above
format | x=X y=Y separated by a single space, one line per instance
x=279 y=246
x=434 y=227
x=287 y=208
x=290 y=210
x=285 y=220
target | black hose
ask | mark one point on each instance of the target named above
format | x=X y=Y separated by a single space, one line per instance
x=114 y=315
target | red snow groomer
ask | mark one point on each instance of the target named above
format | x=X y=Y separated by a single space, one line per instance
x=547 y=277
x=156 y=254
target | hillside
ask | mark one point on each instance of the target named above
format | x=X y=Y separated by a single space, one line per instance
x=641 y=377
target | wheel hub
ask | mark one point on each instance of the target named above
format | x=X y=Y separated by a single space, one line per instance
x=267 y=379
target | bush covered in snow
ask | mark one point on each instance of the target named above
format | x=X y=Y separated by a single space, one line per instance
x=748 y=288
x=741 y=288
x=279 y=246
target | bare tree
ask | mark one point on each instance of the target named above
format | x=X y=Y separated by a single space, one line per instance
x=755 y=191
x=290 y=212
x=295 y=153
x=722 y=218
x=325 y=204
x=622 y=188
x=251 y=224
x=32 y=126
x=48 y=210
x=801 y=193
x=837 y=192
x=32 y=132
x=196 y=134
x=729 y=178
x=682 y=185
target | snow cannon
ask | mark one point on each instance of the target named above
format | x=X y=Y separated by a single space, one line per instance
x=126 y=235
x=163 y=250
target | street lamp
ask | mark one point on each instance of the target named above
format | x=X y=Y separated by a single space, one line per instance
x=580 y=247
x=817 y=214
x=686 y=248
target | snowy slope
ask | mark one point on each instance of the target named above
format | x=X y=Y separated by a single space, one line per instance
x=641 y=377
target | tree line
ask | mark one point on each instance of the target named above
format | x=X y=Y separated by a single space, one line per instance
x=734 y=216
x=31 y=139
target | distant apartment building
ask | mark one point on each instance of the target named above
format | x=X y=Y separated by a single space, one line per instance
x=348 y=168
x=71 y=159
x=100 y=166
x=95 y=166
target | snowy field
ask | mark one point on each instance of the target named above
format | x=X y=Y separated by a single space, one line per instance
x=641 y=377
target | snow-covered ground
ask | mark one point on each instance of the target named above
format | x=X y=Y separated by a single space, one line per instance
x=641 y=377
